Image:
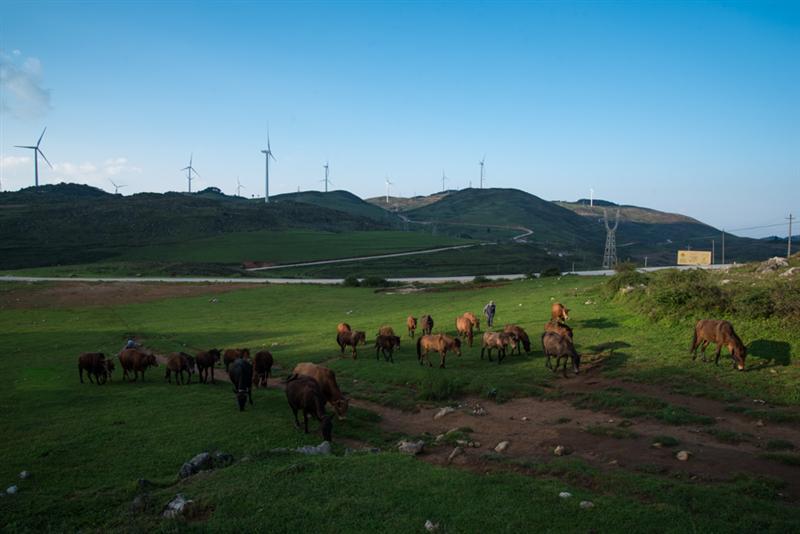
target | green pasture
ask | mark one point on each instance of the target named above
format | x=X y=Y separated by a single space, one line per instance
x=87 y=446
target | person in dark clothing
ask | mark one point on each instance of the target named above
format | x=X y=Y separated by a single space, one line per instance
x=488 y=311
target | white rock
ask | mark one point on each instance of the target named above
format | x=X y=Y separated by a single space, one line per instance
x=560 y=450
x=565 y=495
x=525 y=418
x=11 y=490
x=25 y=474
x=177 y=507
x=430 y=526
x=411 y=447
x=502 y=446
x=683 y=455
x=321 y=449
x=444 y=411
x=456 y=452
x=586 y=505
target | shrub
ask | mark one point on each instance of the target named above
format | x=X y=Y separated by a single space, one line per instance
x=625 y=267
x=690 y=290
x=351 y=281
x=376 y=281
x=480 y=279
x=752 y=302
x=624 y=279
x=550 y=271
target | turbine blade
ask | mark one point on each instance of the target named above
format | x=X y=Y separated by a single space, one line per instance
x=45 y=157
x=272 y=156
x=21 y=146
x=40 y=137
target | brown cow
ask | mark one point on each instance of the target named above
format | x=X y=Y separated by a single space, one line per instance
x=426 y=323
x=206 y=360
x=327 y=382
x=386 y=330
x=464 y=328
x=178 y=363
x=440 y=343
x=720 y=332
x=352 y=339
x=558 y=346
x=341 y=328
x=136 y=361
x=562 y=329
x=411 y=323
x=559 y=312
x=234 y=354
x=95 y=364
x=499 y=341
x=386 y=344
x=304 y=393
x=262 y=367
x=474 y=320
x=521 y=336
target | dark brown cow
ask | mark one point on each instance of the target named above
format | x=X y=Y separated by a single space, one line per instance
x=440 y=343
x=95 y=364
x=262 y=367
x=521 y=336
x=234 y=354
x=411 y=324
x=558 y=346
x=205 y=361
x=721 y=333
x=426 y=323
x=178 y=363
x=136 y=361
x=351 y=339
x=386 y=344
x=304 y=393
x=327 y=382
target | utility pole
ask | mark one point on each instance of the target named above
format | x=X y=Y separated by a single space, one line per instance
x=723 y=246
x=789 y=241
x=713 y=251
x=645 y=262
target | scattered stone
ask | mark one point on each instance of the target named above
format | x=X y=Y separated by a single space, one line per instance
x=139 y=503
x=683 y=455
x=222 y=459
x=790 y=272
x=502 y=446
x=525 y=418
x=439 y=438
x=411 y=447
x=430 y=526
x=627 y=289
x=478 y=410
x=657 y=445
x=589 y=302
x=772 y=265
x=177 y=507
x=586 y=505
x=560 y=450
x=456 y=452
x=759 y=423
x=11 y=490
x=323 y=448
x=565 y=495
x=613 y=462
x=24 y=475
x=475 y=444
x=462 y=442
x=202 y=461
x=186 y=470
x=444 y=411
x=725 y=281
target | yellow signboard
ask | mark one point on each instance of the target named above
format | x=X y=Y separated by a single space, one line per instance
x=694 y=257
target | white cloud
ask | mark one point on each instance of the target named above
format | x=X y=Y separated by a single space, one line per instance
x=11 y=162
x=21 y=90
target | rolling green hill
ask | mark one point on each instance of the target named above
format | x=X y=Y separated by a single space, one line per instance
x=343 y=201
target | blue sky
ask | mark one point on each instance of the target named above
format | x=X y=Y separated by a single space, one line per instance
x=682 y=106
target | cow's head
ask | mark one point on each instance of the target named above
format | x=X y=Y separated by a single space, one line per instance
x=340 y=407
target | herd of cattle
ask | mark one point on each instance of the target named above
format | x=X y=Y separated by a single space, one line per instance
x=310 y=387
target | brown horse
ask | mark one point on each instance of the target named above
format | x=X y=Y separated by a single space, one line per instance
x=426 y=323
x=230 y=355
x=559 y=312
x=136 y=361
x=341 y=328
x=558 y=327
x=474 y=320
x=386 y=330
x=327 y=382
x=352 y=339
x=206 y=360
x=386 y=344
x=560 y=347
x=720 y=332
x=440 y=343
x=521 y=337
x=464 y=328
x=411 y=323
x=178 y=363
x=262 y=367
x=499 y=341
x=95 y=364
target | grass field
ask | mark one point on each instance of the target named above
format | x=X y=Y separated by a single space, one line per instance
x=87 y=446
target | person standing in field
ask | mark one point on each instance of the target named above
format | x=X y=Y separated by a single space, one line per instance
x=488 y=311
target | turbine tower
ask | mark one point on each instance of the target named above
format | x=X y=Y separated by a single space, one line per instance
x=481 y=162
x=444 y=179
x=189 y=170
x=36 y=153
x=388 y=183
x=239 y=187
x=267 y=154
x=326 y=180
x=610 y=254
x=591 y=197
x=117 y=186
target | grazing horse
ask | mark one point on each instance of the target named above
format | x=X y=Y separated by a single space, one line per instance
x=720 y=332
x=426 y=323
x=178 y=363
x=521 y=337
x=386 y=344
x=341 y=328
x=386 y=330
x=558 y=346
x=352 y=339
x=95 y=364
x=136 y=361
x=559 y=312
x=464 y=328
x=499 y=341
x=262 y=367
x=230 y=355
x=554 y=325
x=411 y=323
x=304 y=393
x=206 y=360
x=474 y=320
x=327 y=382
x=440 y=343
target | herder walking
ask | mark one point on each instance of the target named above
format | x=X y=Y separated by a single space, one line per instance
x=488 y=311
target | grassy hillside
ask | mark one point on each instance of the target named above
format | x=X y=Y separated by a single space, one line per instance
x=402 y=204
x=343 y=201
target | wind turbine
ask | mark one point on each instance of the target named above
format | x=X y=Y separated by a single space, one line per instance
x=36 y=153
x=267 y=154
x=591 y=197
x=444 y=178
x=481 y=162
x=117 y=186
x=239 y=187
x=326 y=180
x=189 y=170
x=388 y=183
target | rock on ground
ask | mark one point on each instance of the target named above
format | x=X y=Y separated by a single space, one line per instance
x=560 y=450
x=411 y=447
x=565 y=495
x=456 y=452
x=586 y=505
x=11 y=490
x=178 y=507
x=25 y=475
x=502 y=446
x=772 y=265
x=321 y=449
x=444 y=411
x=430 y=526
x=683 y=455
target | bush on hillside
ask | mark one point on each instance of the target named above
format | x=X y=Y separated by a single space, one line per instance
x=625 y=267
x=624 y=279
x=550 y=271
x=688 y=291
x=376 y=281
x=480 y=279
x=351 y=281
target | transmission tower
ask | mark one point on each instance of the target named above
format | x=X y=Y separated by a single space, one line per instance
x=610 y=254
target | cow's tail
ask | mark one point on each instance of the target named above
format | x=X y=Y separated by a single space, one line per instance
x=419 y=347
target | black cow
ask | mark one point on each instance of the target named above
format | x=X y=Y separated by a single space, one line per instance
x=241 y=373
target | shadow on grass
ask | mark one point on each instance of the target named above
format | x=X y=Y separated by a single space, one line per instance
x=770 y=353
x=609 y=347
x=598 y=323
